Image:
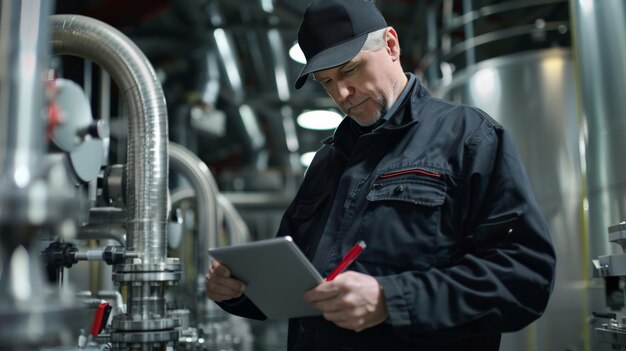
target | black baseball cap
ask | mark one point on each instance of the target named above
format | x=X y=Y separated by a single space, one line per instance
x=332 y=32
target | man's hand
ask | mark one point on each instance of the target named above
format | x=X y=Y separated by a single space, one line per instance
x=352 y=300
x=220 y=285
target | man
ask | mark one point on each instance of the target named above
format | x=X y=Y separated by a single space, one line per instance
x=457 y=250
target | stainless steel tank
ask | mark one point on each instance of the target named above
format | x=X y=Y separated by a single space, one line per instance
x=513 y=60
x=532 y=95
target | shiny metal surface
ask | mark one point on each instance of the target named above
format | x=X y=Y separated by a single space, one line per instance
x=151 y=324
x=146 y=301
x=146 y=170
x=147 y=130
x=102 y=231
x=146 y=277
x=146 y=285
x=138 y=274
x=25 y=194
x=32 y=313
x=239 y=232
x=462 y=33
x=47 y=321
x=185 y=162
x=113 y=187
x=600 y=46
x=611 y=336
x=209 y=217
x=23 y=39
x=106 y=215
x=171 y=266
x=34 y=192
x=532 y=95
x=146 y=337
x=75 y=110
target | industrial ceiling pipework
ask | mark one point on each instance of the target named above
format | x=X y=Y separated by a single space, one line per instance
x=146 y=323
x=513 y=60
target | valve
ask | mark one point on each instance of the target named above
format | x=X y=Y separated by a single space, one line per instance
x=60 y=254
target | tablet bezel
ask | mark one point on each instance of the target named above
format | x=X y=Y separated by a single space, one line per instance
x=276 y=274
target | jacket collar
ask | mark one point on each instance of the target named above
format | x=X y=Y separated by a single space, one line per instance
x=405 y=113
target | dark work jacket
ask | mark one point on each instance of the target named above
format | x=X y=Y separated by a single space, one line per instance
x=454 y=235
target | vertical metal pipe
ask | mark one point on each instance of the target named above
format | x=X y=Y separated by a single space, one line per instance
x=34 y=193
x=199 y=176
x=23 y=48
x=147 y=160
x=431 y=41
x=146 y=172
x=600 y=46
x=470 y=54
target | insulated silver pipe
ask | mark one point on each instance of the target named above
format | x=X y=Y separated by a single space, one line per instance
x=147 y=160
x=238 y=229
x=145 y=322
x=239 y=232
x=198 y=174
x=102 y=231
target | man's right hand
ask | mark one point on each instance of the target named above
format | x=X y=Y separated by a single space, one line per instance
x=220 y=285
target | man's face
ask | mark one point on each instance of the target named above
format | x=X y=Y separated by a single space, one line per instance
x=363 y=88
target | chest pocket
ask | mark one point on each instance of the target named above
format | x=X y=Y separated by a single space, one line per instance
x=415 y=185
x=423 y=192
x=402 y=221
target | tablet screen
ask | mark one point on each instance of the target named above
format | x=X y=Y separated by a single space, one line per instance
x=276 y=274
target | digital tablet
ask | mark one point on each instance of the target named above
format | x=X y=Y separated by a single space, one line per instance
x=276 y=274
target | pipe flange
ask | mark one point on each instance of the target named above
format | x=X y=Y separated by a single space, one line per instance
x=145 y=336
x=119 y=324
x=148 y=268
x=146 y=277
x=157 y=272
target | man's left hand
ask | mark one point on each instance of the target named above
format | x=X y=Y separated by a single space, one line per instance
x=352 y=300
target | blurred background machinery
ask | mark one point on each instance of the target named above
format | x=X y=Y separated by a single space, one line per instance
x=136 y=135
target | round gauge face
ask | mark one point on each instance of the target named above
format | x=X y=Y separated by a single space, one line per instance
x=74 y=114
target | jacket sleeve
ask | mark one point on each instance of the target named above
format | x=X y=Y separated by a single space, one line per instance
x=504 y=279
x=242 y=307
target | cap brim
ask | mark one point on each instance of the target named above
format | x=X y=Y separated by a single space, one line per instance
x=331 y=57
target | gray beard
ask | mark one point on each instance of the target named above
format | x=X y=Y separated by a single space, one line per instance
x=382 y=110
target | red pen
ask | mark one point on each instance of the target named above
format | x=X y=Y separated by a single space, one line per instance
x=354 y=252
